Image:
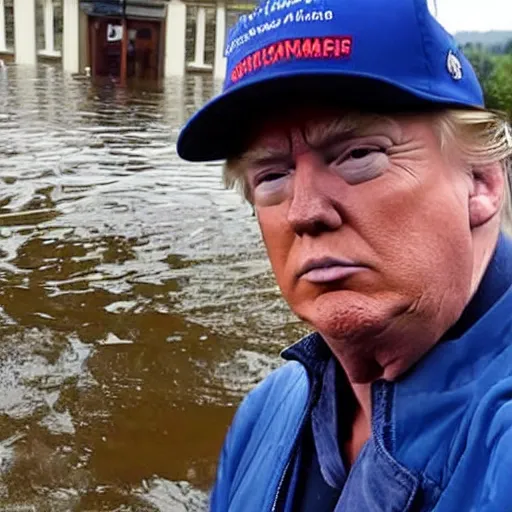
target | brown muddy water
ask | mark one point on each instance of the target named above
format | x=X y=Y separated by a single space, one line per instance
x=136 y=302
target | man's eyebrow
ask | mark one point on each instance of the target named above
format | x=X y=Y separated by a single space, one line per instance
x=318 y=137
x=331 y=139
x=264 y=156
x=322 y=137
x=325 y=135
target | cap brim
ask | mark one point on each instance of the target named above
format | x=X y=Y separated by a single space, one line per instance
x=222 y=128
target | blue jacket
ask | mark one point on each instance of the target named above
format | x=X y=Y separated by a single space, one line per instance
x=441 y=435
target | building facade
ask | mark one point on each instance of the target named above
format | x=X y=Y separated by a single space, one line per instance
x=146 y=39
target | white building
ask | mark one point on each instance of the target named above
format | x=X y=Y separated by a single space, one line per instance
x=161 y=37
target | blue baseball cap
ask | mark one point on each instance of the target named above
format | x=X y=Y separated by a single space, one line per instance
x=368 y=55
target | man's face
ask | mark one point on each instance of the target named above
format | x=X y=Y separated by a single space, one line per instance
x=366 y=225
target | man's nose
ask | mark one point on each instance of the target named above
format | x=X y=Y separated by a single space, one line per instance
x=312 y=209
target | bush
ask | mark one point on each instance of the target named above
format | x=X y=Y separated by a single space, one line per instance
x=494 y=71
x=499 y=85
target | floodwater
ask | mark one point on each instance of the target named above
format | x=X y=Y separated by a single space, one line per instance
x=136 y=302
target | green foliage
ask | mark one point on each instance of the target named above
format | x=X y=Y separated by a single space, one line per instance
x=499 y=85
x=493 y=65
x=482 y=61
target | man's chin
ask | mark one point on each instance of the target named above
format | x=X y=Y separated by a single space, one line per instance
x=352 y=316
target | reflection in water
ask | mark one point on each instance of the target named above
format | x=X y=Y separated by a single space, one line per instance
x=136 y=301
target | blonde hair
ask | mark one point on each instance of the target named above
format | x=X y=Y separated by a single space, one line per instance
x=484 y=136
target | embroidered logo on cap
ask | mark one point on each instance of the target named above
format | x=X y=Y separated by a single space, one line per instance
x=337 y=47
x=454 y=66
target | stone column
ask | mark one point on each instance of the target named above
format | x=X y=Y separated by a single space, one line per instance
x=198 y=91
x=176 y=26
x=2 y=26
x=219 y=66
x=71 y=36
x=48 y=27
x=200 y=37
x=25 y=31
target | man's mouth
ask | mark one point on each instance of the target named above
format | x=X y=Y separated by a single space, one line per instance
x=326 y=270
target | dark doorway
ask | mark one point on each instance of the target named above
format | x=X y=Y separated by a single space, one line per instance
x=143 y=59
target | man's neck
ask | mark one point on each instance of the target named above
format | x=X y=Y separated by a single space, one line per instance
x=361 y=428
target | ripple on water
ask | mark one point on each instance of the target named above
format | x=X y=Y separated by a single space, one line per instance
x=136 y=306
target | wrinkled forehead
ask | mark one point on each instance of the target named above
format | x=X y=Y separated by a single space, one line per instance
x=322 y=127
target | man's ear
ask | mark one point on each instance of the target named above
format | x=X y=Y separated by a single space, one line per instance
x=486 y=197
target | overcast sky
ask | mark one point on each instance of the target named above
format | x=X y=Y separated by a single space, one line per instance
x=482 y=15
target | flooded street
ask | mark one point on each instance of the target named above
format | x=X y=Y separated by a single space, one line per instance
x=136 y=302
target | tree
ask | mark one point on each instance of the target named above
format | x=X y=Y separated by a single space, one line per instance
x=482 y=62
x=508 y=47
x=499 y=85
x=493 y=66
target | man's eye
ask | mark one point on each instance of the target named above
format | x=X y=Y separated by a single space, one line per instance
x=273 y=176
x=353 y=154
x=270 y=176
x=361 y=152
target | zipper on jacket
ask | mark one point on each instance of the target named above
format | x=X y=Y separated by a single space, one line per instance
x=281 y=481
x=306 y=415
